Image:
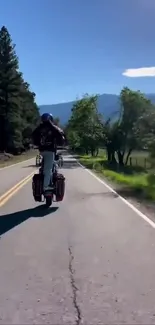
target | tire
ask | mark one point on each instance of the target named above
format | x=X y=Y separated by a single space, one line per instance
x=48 y=201
x=37 y=163
x=61 y=162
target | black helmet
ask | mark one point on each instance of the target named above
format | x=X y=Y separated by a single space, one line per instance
x=47 y=117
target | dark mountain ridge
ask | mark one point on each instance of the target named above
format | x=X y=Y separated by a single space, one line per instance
x=108 y=105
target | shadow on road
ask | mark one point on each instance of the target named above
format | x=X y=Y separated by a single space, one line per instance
x=67 y=164
x=11 y=220
x=70 y=164
x=34 y=166
x=104 y=195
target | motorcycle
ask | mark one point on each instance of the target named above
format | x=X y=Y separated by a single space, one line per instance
x=58 y=185
x=59 y=160
x=38 y=160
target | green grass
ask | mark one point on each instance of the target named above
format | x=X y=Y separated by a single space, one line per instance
x=137 y=158
x=6 y=160
x=139 y=182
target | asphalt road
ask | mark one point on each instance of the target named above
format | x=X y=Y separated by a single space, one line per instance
x=11 y=175
x=87 y=260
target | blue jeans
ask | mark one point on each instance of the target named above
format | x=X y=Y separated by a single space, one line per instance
x=48 y=157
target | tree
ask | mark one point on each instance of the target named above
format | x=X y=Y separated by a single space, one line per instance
x=134 y=105
x=29 y=112
x=85 y=125
x=9 y=90
x=18 y=110
x=134 y=128
x=57 y=121
x=111 y=140
x=146 y=128
x=125 y=135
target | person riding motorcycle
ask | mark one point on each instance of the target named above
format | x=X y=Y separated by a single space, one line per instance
x=46 y=137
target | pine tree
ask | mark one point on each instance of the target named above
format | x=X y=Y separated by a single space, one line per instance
x=29 y=113
x=19 y=113
x=9 y=93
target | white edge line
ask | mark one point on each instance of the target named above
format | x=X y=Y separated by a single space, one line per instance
x=20 y=162
x=131 y=206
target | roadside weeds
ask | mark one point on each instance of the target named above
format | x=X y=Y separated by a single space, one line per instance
x=8 y=160
x=137 y=187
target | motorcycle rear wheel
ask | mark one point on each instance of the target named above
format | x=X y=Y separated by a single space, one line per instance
x=48 y=201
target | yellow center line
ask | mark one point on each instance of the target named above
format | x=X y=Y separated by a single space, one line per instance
x=7 y=195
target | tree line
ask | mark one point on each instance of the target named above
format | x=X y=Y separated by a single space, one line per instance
x=133 y=129
x=19 y=112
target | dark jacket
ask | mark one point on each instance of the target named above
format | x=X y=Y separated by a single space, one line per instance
x=47 y=137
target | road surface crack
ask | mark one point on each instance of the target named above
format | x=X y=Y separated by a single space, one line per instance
x=74 y=288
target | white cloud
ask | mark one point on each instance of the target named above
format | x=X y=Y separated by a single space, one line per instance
x=139 y=72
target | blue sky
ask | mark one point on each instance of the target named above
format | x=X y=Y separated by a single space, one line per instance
x=69 y=47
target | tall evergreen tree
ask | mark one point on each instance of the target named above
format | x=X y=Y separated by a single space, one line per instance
x=9 y=90
x=18 y=110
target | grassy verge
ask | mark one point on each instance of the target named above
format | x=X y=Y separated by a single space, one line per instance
x=139 y=182
x=7 y=159
x=137 y=159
